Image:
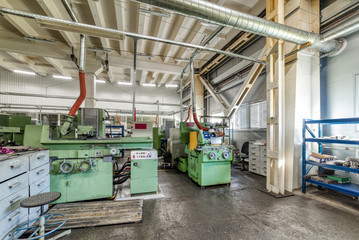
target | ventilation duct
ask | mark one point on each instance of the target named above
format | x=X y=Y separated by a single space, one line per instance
x=216 y=14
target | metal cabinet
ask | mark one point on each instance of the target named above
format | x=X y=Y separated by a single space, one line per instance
x=258 y=159
x=21 y=175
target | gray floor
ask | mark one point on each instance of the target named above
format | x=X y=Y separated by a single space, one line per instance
x=236 y=212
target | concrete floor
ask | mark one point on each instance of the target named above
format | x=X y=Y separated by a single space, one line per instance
x=236 y=212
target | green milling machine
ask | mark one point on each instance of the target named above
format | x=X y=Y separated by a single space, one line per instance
x=82 y=160
x=209 y=160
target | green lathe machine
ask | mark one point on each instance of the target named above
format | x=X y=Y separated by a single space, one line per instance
x=82 y=159
x=209 y=160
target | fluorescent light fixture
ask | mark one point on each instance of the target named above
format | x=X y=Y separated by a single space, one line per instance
x=100 y=81
x=171 y=85
x=182 y=60
x=124 y=83
x=207 y=24
x=61 y=77
x=24 y=72
x=144 y=55
x=40 y=40
x=160 y=14
x=95 y=49
x=149 y=85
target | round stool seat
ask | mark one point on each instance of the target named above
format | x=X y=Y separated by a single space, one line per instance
x=40 y=199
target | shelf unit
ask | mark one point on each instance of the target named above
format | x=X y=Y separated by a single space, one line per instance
x=222 y=127
x=348 y=188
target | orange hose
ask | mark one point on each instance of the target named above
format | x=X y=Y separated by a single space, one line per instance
x=157 y=120
x=82 y=96
x=189 y=114
x=118 y=119
x=198 y=124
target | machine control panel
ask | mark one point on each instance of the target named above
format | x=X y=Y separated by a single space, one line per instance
x=143 y=154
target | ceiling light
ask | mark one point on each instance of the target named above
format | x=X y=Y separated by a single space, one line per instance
x=124 y=83
x=182 y=60
x=149 y=85
x=61 y=77
x=100 y=81
x=24 y=72
x=144 y=55
x=95 y=49
x=160 y=14
x=40 y=40
x=207 y=24
x=171 y=85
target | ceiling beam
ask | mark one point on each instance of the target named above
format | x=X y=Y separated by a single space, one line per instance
x=99 y=18
x=30 y=63
x=120 y=19
x=57 y=10
x=58 y=66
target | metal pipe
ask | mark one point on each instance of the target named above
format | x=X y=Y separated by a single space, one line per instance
x=213 y=13
x=69 y=10
x=134 y=77
x=73 y=98
x=342 y=30
x=82 y=53
x=192 y=88
x=91 y=30
x=181 y=98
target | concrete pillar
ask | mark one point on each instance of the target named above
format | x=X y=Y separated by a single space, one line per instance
x=90 y=101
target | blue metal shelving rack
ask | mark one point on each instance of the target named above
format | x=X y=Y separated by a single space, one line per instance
x=348 y=188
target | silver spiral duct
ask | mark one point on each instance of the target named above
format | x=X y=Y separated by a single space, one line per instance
x=216 y=14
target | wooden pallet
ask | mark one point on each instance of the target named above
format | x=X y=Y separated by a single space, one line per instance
x=98 y=213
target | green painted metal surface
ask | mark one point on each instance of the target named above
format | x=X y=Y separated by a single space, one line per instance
x=156 y=136
x=78 y=185
x=82 y=185
x=207 y=171
x=185 y=129
x=182 y=164
x=144 y=176
x=10 y=122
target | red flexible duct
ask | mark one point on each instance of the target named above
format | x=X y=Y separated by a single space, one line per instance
x=157 y=120
x=189 y=114
x=82 y=96
x=134 y=117
x=118 y=119
x=198 y=124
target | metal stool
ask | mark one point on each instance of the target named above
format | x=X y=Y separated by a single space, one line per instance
x=40 y=200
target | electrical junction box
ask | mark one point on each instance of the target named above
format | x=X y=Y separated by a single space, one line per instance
x=144 y=165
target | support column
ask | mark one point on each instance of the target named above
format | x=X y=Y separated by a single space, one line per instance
x=293 y=79
x=90 y=100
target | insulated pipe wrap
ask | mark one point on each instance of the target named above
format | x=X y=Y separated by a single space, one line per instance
x=216 y=14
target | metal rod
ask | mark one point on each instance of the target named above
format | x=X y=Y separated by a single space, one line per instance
x=69 y=10
x=134 y=77
x=97 y=99
x=91 y=30
x=181 y=98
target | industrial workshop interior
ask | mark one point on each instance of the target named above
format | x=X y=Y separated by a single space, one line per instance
x=179 y=119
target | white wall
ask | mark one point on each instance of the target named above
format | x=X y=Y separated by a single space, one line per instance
x=18 y=83
x=339 y=96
